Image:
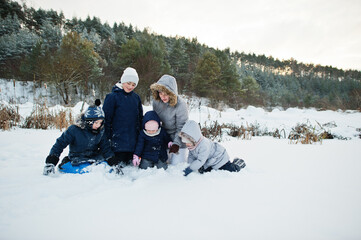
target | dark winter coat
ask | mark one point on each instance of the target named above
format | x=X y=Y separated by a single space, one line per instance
x=84 y=145
x=123 y=119
x=152 y=148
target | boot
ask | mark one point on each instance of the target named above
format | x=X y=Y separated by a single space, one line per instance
x=239 y=162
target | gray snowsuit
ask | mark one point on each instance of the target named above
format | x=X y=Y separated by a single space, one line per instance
x=205 y=152
x=173 y=114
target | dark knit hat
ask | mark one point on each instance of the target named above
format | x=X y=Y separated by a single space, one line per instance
x=94 y=112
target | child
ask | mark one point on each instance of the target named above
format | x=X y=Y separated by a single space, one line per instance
x=87 y=144
x=151 y=149
x=123 y=117
x=205 y=154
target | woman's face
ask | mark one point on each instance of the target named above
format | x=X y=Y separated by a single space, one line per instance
x=164 y=97
x=128 y=86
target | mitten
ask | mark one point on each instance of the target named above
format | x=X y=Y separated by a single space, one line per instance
x=170 y=144
x=174 y=148
x=49 y=168
x=187 y=171
x=118 y=169
x=52 y=159
x=136 y=160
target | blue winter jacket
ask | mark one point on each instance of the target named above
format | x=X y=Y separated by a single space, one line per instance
x=123 y=119
x=84 y=145
x=152 y=148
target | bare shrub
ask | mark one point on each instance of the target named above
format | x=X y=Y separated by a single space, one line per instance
x=9 y=117
x=308 y=134
x=40 y=118
x=63 y=119
x=243 y=132
x=213 y=131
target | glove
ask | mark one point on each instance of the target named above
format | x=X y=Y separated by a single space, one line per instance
x=174 y=148
x=112 y=161
x=170 y=144
x=187 y=171
x=52 y=159
x=136 y=160
x=49 y=169
x=118 y=169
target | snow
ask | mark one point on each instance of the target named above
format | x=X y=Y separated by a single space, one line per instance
x=286 y=191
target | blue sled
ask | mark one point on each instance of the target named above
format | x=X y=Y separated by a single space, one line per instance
x=77 y=169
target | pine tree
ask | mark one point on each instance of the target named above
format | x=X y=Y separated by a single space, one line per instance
x=75 y=64
x=207 y=74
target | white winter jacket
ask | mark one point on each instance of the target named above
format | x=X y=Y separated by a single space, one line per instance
x=206 y=152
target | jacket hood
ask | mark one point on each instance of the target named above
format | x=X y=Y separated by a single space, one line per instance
x=79 y=121
x=167 y=84
x=191 y=131
x=150 y=115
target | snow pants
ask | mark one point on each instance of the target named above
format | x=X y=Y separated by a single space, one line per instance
x=144 y=164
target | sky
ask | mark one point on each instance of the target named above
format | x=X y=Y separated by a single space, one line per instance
x=326 y=32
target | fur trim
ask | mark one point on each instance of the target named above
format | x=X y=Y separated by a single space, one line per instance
x=79 y=122
x=156 y=88
x=185 y=135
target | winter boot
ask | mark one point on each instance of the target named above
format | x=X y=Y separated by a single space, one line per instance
x=239 y=162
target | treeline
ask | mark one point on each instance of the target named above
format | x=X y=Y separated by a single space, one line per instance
x=82 y=57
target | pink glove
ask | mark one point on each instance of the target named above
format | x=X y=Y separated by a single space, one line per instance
x=136 y=160
x=170 y=144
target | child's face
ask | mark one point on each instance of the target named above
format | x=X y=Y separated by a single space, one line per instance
x=97 y=124
x=151 y=131
x=129 y=86
x=164 y=97
x=189 y=145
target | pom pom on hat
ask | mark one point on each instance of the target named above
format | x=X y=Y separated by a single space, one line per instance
x=94 y=112
x=151 y=125
x=130 y=75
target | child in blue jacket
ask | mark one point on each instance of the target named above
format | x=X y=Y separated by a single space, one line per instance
x=151 y=149
x=123 y=117
x=87 y=144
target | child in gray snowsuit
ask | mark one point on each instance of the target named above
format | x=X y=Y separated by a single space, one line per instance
x=204 y=154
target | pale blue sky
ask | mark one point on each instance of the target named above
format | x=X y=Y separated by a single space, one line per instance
x=326 y=32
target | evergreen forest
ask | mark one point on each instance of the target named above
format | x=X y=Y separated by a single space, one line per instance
x=80 y=58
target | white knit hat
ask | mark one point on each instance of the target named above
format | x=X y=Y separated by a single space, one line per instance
x=130 y=75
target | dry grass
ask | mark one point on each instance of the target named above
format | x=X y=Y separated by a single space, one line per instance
x=9 y=117
x=63 y=119
x=307 y=134
x=215 y=131
x=42 y=118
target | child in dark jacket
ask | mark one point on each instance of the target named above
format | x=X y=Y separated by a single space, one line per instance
x=87 y=144
x=123 y=117
x=204 y=154
x=151 y=149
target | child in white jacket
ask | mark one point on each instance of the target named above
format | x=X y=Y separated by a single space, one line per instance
x=204 y=154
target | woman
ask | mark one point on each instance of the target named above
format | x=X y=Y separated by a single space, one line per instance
x=173 y=113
